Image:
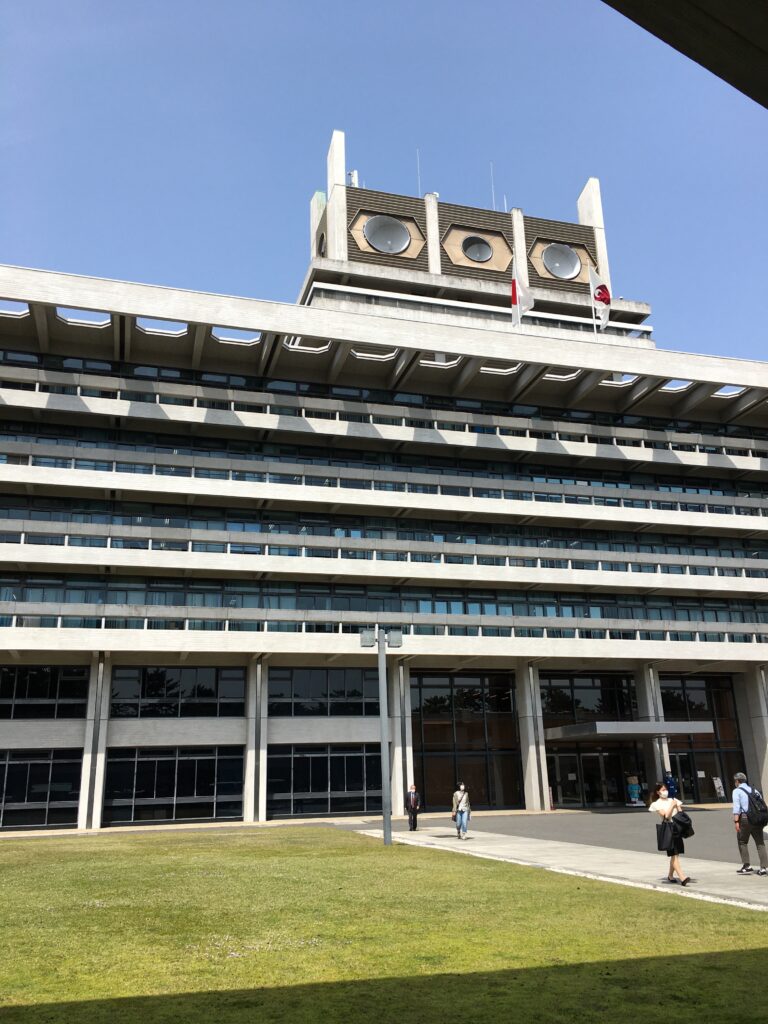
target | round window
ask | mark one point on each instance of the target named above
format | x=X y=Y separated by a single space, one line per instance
x=386 y=234
x=476 y=249
x=561 y=261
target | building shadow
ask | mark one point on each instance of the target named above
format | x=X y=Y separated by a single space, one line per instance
x=636 y=990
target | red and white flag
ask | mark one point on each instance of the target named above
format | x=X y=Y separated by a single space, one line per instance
x=522 y=298
x=601 y=299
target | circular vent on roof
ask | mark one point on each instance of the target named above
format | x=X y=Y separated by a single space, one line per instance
x=561 y=261
x=386 y=234
x=476 y=249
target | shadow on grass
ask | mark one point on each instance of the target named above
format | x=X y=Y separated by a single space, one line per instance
x=633 y=991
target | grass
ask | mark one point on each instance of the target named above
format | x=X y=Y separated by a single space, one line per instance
x=314 y=924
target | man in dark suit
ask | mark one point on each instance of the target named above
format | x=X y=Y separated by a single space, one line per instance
x=412 y=807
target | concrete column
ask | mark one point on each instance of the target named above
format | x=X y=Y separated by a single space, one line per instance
x=433 y=233
x=336 y=217
x=532 y=746
x=651 y=709
x=100 y=745
x=405 y=676
x=263 y=727
x=520 y=245
x=89 y=750
x=396 y=733
x=590 y=209
x=252 y=722
x=751 y=694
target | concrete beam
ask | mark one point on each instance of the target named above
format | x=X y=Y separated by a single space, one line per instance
x=468 y=372
x=640 y=390
x=525 y=378
x=40 y=316
x=695 y=395
x=586 y=383
x=201 y=335
x=340 y=357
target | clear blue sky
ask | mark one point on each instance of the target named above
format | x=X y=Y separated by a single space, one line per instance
x=179 y=142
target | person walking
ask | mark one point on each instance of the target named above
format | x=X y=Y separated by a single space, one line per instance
x=667 y=807
x=460 y=810
x=412 y=807
x=745 y=828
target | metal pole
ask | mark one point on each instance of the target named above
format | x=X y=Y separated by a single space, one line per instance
x=386 y=798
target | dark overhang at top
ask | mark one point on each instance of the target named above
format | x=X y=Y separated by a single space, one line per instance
x=728 y=37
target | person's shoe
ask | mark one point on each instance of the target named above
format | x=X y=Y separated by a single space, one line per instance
x=671 y=881
x=763 y=871
x=745 y=870
x=685 y=881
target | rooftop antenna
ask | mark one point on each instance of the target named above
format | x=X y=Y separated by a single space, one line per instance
x=352 y=179
x=505 y=202
x=493 y=189
x=418 y=173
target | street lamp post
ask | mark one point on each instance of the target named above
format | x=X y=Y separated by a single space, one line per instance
x=381 y=638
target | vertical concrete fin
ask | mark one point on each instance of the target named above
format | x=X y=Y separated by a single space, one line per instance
x=316 y=206
x=336 y=217
x=433 y=233
x=520 y=245
x=590 y=211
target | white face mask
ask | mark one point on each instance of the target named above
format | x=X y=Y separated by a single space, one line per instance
x=461 y=788
x=663 y=793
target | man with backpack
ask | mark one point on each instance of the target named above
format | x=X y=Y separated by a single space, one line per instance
x=750 y=816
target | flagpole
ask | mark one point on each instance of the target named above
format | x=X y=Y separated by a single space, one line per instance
x=592 y=300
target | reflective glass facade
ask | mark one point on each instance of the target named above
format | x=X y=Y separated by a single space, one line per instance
x=317 y=779
x=177 y=692
x=154 y=784
x=39 y=788
x=43 y=691
x=323 y=691
x=465 y=728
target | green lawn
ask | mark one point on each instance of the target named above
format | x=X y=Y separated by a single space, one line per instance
x=312 y=924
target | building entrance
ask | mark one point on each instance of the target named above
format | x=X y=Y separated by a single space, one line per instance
x=682 y=772
x=593 y=779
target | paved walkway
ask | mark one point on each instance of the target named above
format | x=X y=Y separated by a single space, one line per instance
x=712 y=880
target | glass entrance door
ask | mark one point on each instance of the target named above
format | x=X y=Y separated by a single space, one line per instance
x=682 y=771
x=592 y=776
x=564 y=779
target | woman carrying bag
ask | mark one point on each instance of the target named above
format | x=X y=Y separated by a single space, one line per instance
x=460 y=810
x=670 y=832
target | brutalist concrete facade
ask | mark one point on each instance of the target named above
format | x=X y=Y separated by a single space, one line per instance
x=205 y=498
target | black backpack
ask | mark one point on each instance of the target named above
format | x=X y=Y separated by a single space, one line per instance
x=758 y=812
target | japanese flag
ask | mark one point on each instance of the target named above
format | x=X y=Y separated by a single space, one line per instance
x=601 y=299
x=522 y=298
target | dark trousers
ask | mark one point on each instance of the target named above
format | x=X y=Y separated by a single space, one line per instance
x=745 y=831
x=413 y=814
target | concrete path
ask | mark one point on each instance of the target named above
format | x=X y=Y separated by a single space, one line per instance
x=713 y=881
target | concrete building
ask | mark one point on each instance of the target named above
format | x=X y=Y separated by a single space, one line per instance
x=205 y=498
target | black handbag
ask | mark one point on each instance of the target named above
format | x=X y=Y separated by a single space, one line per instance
x=682 y=825
x=664 y=835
